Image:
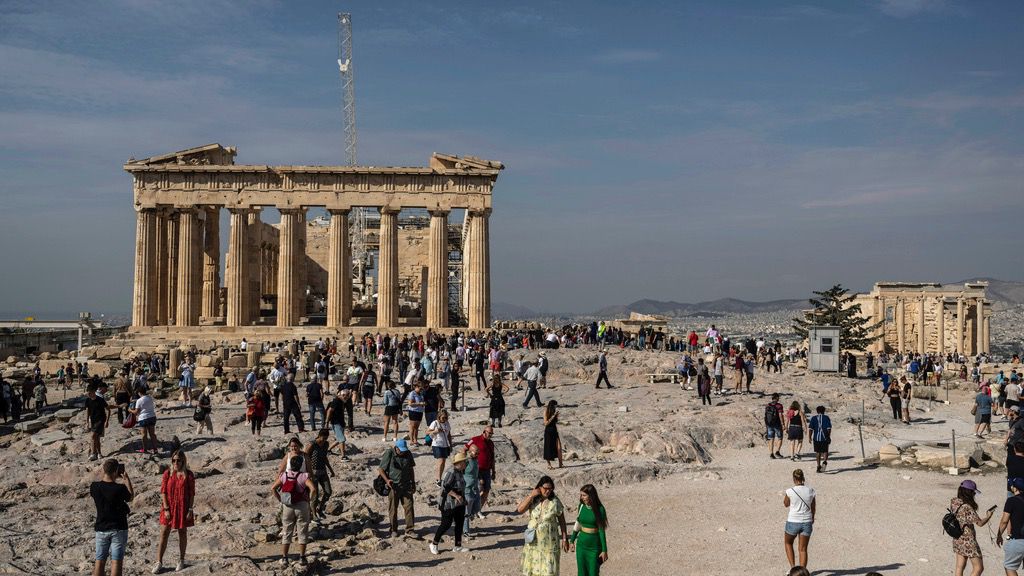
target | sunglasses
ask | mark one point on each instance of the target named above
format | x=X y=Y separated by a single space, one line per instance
x=176 y=460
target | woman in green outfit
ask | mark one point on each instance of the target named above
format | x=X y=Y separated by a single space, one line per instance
x=588 y=536
x=543 y=547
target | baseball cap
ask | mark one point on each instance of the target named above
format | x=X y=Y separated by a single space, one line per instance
x=970 y=485
x=402 y=445
x=1015 y=409
x=1018 y=482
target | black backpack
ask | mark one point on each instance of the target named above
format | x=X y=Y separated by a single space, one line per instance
x=772 y=418
x=950 y=525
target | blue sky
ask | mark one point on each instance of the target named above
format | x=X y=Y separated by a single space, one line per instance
x=670 y=150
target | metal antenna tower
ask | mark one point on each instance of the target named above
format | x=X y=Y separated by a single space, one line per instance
x=357 y=218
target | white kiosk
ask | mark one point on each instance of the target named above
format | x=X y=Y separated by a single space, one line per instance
x=823 y=348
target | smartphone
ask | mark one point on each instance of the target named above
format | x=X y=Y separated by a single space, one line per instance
x=994 y=506
x=120 y=469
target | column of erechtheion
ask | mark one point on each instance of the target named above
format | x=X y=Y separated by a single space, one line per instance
x=940 y=307
x=979 y=326
x=985 y=334
x=960 y=320
x=901 y=328
x=387 y=269
x=920 y=325
x=211 y=264
x=479 y=272
x=437 y=270
x=189 y=262
x=237 y=268
x=339 y=271
x=286 y=280
x=145 y=292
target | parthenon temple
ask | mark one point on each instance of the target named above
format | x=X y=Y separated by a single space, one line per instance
x=928 y=317
x=300 y=272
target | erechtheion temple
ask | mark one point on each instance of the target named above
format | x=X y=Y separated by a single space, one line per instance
x=926 y=317
x=271 y=270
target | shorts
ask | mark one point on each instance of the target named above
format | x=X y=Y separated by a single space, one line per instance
x=441 y=452
x=718 y=380
x=1012 y=403
x=485 y=477
x=796 y=433
x=97 y=428
x=368 y=392
x=1013 y=551
x=111 y=544
x=415 y=416
x=392 y=410
x=821 y=447
x=431 y=416
x=147 y=422
x=773 y=433
x=983 y=418
x=339 y=432
x=799 y=528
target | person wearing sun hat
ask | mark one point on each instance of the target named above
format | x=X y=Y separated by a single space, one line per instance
x=397 y=467
x=965 y=508
x=452 y=503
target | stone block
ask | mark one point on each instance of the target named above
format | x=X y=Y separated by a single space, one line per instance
x=238 y=361
x=204 y=361
x=933 y=457
x=66 y=414
x=29 y=426
x=108 y=353
x=50 y=437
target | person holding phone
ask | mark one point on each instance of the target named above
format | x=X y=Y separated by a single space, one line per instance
x=552 y=442
x=543 y=547
x=177 y=496
x=965 y=508
x=111 y=498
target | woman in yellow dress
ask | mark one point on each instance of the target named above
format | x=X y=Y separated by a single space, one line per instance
x=546 y=535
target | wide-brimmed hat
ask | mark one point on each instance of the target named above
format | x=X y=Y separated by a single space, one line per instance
x=459 y=457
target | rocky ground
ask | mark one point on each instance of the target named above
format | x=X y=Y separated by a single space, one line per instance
x=689 y=489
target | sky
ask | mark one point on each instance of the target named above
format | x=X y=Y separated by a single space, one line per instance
x=670 y=150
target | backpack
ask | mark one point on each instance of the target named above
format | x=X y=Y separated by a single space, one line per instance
x=771 y=415
x=950 y=525
x=292 y=490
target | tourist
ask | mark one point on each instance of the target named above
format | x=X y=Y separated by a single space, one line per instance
x=982 y=413
x=177 y=498
x=392 y=409
x=773 y=427
x=455 y=383
x=542 y=371
x=39 y=394
x=369 y=389
x=1012 y=392
x=256 y=412
x=453 y=503
x=295 y=448
x=97 y=414
x=187 y=380
x=719 y=372
x=546 y=535
x=317 y=454
x=748 y=370
x=802 y=503
x=1013 y=519
x=204 y=407
x=496 y=407
x=111 y=498
x=485 y=462
x=472 y=477
x=739 y=366
x=895 y=394
x=532 y=375
x=905 y=395
x=703 y=383
x=145 y=417
x=795 y=430
x=440 y=441
x=397 y=468
x=293 y=489
x=432 y=401
x=552 y=443
x=122 y=396
x=414 y=411
x=335 y=418
x=5 y=398
x=292 y=406
x=820 y=427
x=966 y=546
x=588 y=535
x=315 y=400
x=602 y=370
x=479 y=360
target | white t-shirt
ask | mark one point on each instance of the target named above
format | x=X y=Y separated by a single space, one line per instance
x=444 y=430
x=146 y=407
x=1012 y=392
x=800 y=500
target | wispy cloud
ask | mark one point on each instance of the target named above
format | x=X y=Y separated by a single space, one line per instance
x=907 y=8
x=628 y=56
x=873 y=197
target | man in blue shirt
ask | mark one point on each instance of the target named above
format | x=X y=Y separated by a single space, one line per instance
x=821 y=434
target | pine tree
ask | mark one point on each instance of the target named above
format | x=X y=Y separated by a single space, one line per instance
x=834 y=307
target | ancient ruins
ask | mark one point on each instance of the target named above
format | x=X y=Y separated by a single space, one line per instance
x=929 y=317
x=268 y=269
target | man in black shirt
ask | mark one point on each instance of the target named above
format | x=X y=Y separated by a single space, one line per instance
x=1013 y=518
x=111 y=498
x=97 y=414
x=336 y=419
x=290 y=399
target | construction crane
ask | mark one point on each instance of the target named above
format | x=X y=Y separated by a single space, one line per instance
x=357 y=218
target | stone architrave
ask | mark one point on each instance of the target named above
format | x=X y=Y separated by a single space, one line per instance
x=189 y=266
x=145 y=294
x=437 y=270
x=480 y=272
x=339 y=272
x=286 y=282
x=387 y=269
x=237 y=268
x=211 y=263
x=172 y=267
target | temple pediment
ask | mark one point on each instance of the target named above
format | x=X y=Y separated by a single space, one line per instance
x=208 y=155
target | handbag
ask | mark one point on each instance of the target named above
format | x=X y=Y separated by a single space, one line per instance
x=530 y=535
x=130 y=421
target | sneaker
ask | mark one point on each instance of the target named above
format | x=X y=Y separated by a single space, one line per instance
x=157 y=568
x=481 y=515
x=437 y=483
x=394 y=534
x=179 y=567
x=778 y=454
x=818 y=469
x=771 y=455
x=460 y=549
x=344 y=458
x=93 y=457
x=283 y=561
x=433 y=548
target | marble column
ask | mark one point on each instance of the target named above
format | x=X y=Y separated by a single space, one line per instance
x=339 y=272
x=986 y=337
x=467 y=229
x=299 y=268
x=901 y=325
x=172 y=267
x=189 y=263
x=254 y=240
x=879 y=319
x=920 y=326
x=286 y=284
x=940 y=311
x=211 y=263
x=161 y=267
x=145 y=290
x=480 y=272
x=387 y=269
x=979 y=326
x=237 y=268
x=437 y=271
x=960 y=325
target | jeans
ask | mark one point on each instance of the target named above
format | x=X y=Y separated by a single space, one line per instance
x=111 y=544
x=289 y=411
x=456 y=517
x=531 y=392
x=313 y=409
x=472 y=509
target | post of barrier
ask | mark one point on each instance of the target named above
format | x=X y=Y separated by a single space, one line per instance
x=954 y=469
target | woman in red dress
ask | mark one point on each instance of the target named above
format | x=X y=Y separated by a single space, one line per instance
x=177 y=494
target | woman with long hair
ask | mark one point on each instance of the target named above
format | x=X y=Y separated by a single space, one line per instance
x=797 y=421
x=552 y=443
x=542 y=551
x=588 y=536
x=177 y=496
x=800 y=499
x=965 y=508
x=496 y=391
